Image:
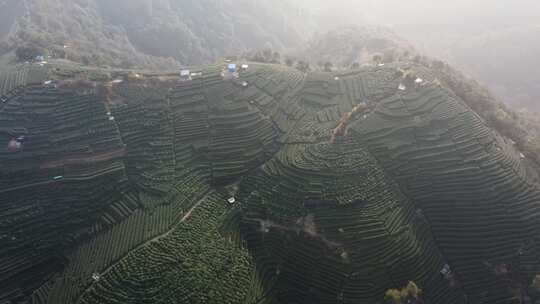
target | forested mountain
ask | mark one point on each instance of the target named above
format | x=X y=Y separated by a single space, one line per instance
x=137 y=32
x=347 y=45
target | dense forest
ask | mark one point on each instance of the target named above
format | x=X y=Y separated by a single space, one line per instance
x=148 y=33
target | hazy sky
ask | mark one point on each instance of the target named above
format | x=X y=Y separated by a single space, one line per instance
x=458 y=13
x=432 y=24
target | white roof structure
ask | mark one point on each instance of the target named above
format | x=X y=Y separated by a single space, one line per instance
x=336 y=78
x=522 y=156
x=117 y=81
x=402 y=87
x=380 y=64
x=47 y=82
x=96 y=276
x=231 y=67
x=185 y=73
x=419 y=80
x=445 y=270
x=111 y=118
x=244 y=84
x=231 y=200
x=245 y=66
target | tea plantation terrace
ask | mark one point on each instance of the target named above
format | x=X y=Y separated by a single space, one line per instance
x=259 y=185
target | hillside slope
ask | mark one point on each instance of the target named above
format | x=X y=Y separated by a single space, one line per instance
x=344 y=186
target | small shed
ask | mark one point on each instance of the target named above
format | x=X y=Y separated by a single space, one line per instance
x=231 y=68
x=245 y=67
x=14 y=145
x=446 y=271
x=185 y=75
x=231 y=200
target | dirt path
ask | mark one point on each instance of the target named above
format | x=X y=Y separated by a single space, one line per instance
x=183 y=219
x=84 y=159
x=154 y=239
x=63 y=180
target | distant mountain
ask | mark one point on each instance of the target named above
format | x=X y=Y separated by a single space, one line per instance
x=506 y=61
x=144 y=32
x=346 y=45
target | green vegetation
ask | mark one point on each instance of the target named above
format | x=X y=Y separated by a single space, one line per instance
x=410 y=292
x=195 y=263
x=156 y=35
x=124 y=199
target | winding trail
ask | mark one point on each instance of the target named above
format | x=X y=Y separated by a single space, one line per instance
x=154 y=239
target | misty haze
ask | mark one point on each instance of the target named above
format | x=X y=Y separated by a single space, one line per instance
x=269 y=152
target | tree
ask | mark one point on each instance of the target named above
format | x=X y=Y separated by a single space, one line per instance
x=276 y=57
x=355 y=65
x=398 y=296
x=328 y=67
x=303 y=66
x=377 y=58
x=267 y=54
x=438 y=65
x=4 y=47
x=392 y=296
x=259 y=57
x=27 y=52
x=388 y=56
x=289 y=62
x=406 y=54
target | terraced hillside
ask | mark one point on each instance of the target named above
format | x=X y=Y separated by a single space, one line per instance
x=271 y=187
